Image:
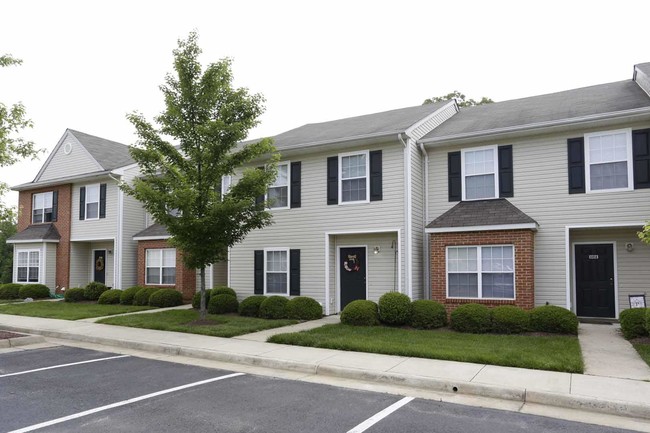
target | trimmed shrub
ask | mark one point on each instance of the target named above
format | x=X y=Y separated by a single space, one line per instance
x=360 y=313
x=34 y=291
x=9 y=291
x=164 y=298
x=126 y=298
x=223 y=290
x=142 y=296
x=274 y=307
x=633 y=322
x=196 y=299
x=222 y=304
x=508 y=319
x=473 y=318
x=427 y=314
x=110 y=297
x=94 y=290
x=304 y=308
x=551 y=318
x=74 y=294
x=394 y=309
x=251 y=306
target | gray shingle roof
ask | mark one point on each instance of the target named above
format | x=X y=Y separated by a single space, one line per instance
x=37 y=232
x=109 y=154
x=600 y=99
x=154 y=230
x=478 y=213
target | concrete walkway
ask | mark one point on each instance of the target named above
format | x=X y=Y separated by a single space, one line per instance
x=607 y=353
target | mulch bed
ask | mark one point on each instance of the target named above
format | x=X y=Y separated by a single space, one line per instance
x=4 y=335
x=640 y=340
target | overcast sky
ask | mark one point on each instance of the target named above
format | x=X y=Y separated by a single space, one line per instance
x=87 y=64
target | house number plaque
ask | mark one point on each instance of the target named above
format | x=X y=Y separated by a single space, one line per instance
x=593 y=256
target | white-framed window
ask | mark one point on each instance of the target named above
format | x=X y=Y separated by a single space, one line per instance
x=27 y=266
x=481 y=272
x=92 y=202
x=354 y=169
x=42 y=207
x=226 y=181
x=479 y=173
x=276 y=271
x=278 y=194
x=161 y=267
x=608 y=160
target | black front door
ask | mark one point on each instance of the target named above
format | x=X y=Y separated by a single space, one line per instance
x=99 y=266
x=352 y=268
x=595 y=280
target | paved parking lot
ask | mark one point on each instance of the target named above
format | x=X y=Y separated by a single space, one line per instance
x=66 y=389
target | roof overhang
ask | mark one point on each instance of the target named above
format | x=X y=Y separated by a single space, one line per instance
x=64 y=180
x=32 y=241
x=151 y=238
x=526 y=226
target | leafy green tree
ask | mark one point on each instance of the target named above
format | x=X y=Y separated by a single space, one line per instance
x=181 y=186
x=7 y=229
x=644 y=234
x=461 y=99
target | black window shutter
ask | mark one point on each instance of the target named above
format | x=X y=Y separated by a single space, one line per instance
x=294 y=272
x=259 y=272
x=82 y=203
x=55 y=205
x=506 y=187
x=375 y=176
x=454 y=174
x=641 y=157
x=333 y=180
x=260 y=198
x=576 y=158
x=102 y=200
x=295 y=184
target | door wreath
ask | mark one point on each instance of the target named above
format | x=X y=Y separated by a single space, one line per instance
x=352 y=263
x=99 y=264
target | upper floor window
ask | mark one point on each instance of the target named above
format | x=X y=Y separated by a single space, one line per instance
x=353 y=184
x=481 y=272
x=27 y=266
x=92 y=202
x=608 y=157
x=278 y=192
x=226 y=181
x=161 y=266
x=479 y=173
x=43 y=208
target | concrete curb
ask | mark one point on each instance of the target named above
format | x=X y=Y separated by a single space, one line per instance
x=21 y=341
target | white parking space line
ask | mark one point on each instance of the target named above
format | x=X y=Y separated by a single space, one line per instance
x=121 y=403
x=63 y=365
x=380 y=415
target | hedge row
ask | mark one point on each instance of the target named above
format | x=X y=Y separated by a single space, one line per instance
x=395 y=309
x=22 y=291
x=635 y=322
x=136 y=295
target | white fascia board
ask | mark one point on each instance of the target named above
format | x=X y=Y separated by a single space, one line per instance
x=151 y=238
x=528 y=226
x=33 y=241
x=61 y=180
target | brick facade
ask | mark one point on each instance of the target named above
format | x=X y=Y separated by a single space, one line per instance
x=62 y=224
x=185 y=277
x=524 y=246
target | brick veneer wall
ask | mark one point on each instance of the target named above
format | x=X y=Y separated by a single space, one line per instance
x=185 y=277
x=524 y=244
x=62 y=224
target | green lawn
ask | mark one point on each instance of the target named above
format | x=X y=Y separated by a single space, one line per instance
x=555 y=353
x=178 y=320
x=67 y=310
x=644 y=351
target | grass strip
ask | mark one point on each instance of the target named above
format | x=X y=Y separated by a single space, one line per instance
x=67 y=310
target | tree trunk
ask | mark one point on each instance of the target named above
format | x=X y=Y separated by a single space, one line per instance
x=203 y=306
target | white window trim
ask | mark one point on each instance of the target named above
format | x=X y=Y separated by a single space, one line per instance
x=479 y=271
x=266 y=250
x=494 y=149
x=630 y=161
x=340 y=177
x=40 y=270
x=160 y=268
x=226 y=182
x=86 y=202
x=266 y=196
x=43 y=208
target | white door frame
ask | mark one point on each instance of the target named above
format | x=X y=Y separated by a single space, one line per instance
x=92 y=264
x=338 y=272
x=573 y=270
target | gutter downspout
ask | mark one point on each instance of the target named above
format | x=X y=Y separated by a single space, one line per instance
x=425 y=215
x=117 y=245
x=407 y=216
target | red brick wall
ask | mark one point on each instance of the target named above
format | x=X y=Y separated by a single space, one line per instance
x=185 y=277
x=524 y=244
x=62 y=224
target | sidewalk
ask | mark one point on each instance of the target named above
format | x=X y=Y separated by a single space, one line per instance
x=603 y=395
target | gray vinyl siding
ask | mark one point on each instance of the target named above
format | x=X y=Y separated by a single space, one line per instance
x=103 y=228
x=541 y=191
x=79 y=263
x=417 y=223
x=50 y=265
x=133 y=221
x=77 y=162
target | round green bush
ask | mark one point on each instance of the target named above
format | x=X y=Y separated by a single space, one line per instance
x=110 y=297
x=251 y=306
x=427 y=314
x=74 y=294
x=360 y=313
x=164 y=298
x=9 y=291
x=633 y=322
x=274 y=307
x=34 y=291
x=142 y=296
x=222 y=304
x=223 y=290
x=394 y=309
x=554 y=319
x=94 y=290
x=473 y=318
x=304 y=308
x=196 y=299
x=508 y=319
x=126 y=298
